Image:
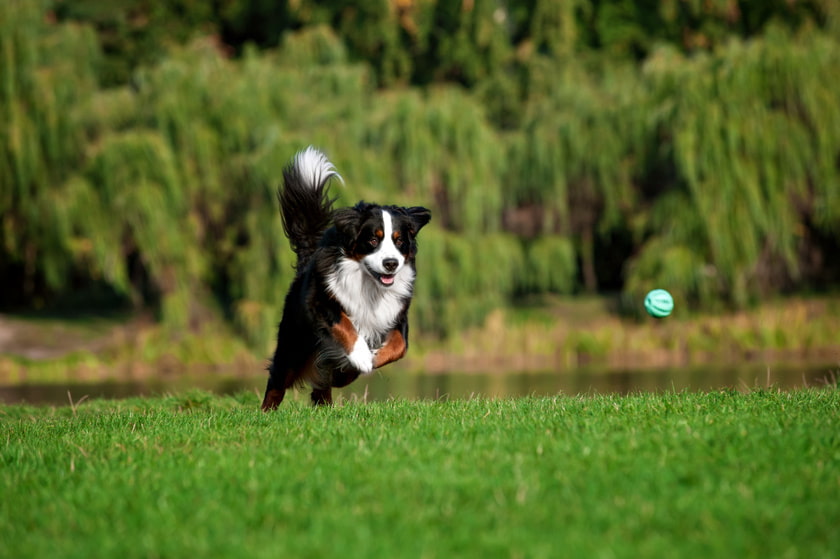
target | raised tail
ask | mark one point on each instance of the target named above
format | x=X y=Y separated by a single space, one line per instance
x=305 y=207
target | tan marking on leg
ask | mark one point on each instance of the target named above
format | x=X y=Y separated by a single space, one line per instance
x=272 y=399
x=393 y=349
x=345 y=333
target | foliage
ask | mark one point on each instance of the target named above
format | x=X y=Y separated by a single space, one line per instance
x=690 y=145
x=659 y=475
x=756 y=165
x=47 y=74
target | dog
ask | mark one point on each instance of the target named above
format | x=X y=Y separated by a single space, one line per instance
x=346 y=312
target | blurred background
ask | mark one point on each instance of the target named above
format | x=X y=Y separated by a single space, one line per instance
x=575 y=155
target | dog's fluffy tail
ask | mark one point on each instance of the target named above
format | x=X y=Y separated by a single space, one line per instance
x=305 y=207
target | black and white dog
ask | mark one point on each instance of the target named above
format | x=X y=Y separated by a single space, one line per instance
x=346 y=312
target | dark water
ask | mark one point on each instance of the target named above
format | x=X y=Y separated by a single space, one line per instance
x=393 y=384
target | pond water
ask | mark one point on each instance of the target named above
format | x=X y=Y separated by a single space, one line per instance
x=393 y=384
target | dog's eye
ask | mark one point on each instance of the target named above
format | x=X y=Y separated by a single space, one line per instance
x=398 y=242
x=374 y=241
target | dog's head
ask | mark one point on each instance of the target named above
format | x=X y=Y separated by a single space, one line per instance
x=381 y=238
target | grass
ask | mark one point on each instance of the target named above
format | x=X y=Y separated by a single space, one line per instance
x=651 y=475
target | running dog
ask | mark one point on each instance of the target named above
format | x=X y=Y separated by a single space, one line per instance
x=346 y=312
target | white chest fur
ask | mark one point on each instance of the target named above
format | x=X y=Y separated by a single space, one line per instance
x=373 y=309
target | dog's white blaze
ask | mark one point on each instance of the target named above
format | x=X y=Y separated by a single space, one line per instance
x=361 y=356
x=387 y=249
x=372 y=308
x=314 y=167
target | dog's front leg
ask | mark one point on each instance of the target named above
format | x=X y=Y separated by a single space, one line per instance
x=355 y=346
x=393 y=349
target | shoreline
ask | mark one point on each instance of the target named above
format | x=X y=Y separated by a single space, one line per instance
x=558 y=334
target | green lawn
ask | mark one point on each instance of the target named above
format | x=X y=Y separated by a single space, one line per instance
x=721 y=474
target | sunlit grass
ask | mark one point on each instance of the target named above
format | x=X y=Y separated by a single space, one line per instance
x=677 y=474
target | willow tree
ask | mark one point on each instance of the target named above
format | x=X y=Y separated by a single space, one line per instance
x=443 y=149
x=443 y=153
x=552 y=28
x=574 y=163
x=45 y=75
x=755 y=140
x=165 y=191
x=62 y=225
x=233 y=126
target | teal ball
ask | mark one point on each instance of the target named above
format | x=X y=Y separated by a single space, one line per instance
x=659 y=303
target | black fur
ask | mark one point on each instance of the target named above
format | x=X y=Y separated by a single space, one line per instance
x=315 y=334
x=305 y=211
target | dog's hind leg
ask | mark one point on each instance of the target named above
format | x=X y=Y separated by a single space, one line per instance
x=338 y=379
x=274 y=393
x=322 y=396
x=321 y=381
x=278 y=384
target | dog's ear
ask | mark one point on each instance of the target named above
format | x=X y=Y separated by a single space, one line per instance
x=419 y=217
x=346 y=221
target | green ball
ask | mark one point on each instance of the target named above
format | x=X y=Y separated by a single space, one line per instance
x=659 y=303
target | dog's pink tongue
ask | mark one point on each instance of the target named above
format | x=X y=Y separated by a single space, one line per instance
x=387 y=280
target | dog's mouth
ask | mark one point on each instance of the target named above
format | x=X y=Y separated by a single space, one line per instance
x=385 y=279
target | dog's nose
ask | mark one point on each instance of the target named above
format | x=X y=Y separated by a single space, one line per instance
x=390 y=264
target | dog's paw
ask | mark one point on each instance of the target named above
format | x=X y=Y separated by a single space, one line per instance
x=361 y=357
